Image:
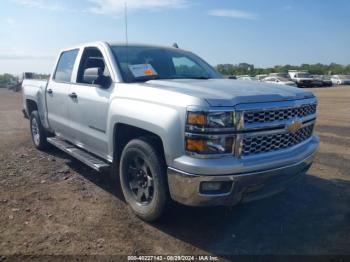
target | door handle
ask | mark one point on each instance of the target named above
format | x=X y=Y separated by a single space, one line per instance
x=49 y=91
x=73 y=95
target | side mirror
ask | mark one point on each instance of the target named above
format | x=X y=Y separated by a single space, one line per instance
x=94 y=76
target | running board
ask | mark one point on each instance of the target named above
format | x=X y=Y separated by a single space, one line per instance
x=83 y=156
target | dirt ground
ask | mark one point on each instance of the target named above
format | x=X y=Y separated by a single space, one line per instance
x=52 y=204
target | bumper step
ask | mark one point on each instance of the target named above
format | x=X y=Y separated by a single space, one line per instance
x=85 y=157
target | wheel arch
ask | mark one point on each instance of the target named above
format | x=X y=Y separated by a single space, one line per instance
x=31 y=105
x=159 y=121
x=124 y=133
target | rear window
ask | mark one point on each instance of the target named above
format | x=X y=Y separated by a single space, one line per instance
x=65 y=66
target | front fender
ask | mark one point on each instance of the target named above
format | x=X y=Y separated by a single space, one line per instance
x=164 y=121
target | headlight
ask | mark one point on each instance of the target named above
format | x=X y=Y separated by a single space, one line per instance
x=211 y=119
x=210 y=133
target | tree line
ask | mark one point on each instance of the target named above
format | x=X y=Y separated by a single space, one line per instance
x=315 y=69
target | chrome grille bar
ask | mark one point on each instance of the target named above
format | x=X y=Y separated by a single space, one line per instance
x=252 y=117
x=264 y=127
x=252 y=145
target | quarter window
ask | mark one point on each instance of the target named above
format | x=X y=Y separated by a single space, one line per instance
x=65 y=66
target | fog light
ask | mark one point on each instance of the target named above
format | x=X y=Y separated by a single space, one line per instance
x=210 y=186
x=216 y=187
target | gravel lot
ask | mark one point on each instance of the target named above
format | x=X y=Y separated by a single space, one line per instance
x=52 y=204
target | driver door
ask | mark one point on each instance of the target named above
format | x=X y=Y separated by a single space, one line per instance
x=88 y=105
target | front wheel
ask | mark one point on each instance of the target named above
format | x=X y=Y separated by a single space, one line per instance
x=143 y=178
x=38 y=132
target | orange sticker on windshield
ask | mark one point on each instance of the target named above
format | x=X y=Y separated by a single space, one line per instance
x=148 y=72
x=142 y=70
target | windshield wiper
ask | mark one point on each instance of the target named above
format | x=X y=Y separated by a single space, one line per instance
x=157 y=77
x=197 y=77
x=146 y=78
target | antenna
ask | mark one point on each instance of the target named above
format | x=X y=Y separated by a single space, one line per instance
x=126 y=23
x=126 y=38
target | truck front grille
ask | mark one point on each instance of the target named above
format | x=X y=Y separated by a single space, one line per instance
x=263 y=143
x=266 y=116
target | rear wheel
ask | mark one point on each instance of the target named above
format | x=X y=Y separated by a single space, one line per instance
x=38 y=132
x=143 y=179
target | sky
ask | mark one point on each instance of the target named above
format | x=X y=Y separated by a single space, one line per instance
x=260 y=32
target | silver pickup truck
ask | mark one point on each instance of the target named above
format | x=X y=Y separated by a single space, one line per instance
x=169 y=126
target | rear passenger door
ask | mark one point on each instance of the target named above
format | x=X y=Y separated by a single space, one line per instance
x=57 y=94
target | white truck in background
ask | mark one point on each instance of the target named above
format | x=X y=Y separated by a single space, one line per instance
x=301 y=78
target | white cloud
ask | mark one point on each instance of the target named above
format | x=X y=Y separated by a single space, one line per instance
x=42 y=4
x=9 y=21
x=110 y=7
x=117 y=6
x=233 y=13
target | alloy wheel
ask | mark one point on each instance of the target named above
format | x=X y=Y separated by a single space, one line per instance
x=140 y=179
x=35 y=131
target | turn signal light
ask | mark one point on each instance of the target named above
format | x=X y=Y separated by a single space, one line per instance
x=222 y=145
x=196 y=118
x=195 y=145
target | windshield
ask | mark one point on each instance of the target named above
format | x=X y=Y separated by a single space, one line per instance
x=143 y=63
x=304 y=75
x=344 y=76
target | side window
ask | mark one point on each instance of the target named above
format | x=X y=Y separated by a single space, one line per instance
x=65 y=66
x=92 y=59
x=186 y=67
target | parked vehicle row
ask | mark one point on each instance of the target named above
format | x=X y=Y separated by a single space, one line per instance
x=299 y=79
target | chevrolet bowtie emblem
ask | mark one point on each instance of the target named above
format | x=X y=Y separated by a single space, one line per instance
x=294 y=126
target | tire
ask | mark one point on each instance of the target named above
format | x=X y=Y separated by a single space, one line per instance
x=38 y=132
x=143 y=179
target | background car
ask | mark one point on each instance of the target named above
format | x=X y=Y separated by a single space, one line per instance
x=232 y=77
x=246 y=78
x=260 y=77
x=322 y=81
x=301 y=78
x=283 y=75
x=341 y=79
x=279 y=81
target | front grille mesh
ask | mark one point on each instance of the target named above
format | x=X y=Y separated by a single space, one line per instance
x=267 y=143
x=251 y=117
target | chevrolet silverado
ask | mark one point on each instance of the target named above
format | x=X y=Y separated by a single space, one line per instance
x=168 y=126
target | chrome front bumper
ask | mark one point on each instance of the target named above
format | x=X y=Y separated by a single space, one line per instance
x=184 y=187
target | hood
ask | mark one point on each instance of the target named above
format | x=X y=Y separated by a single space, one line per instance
x=228 y=92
